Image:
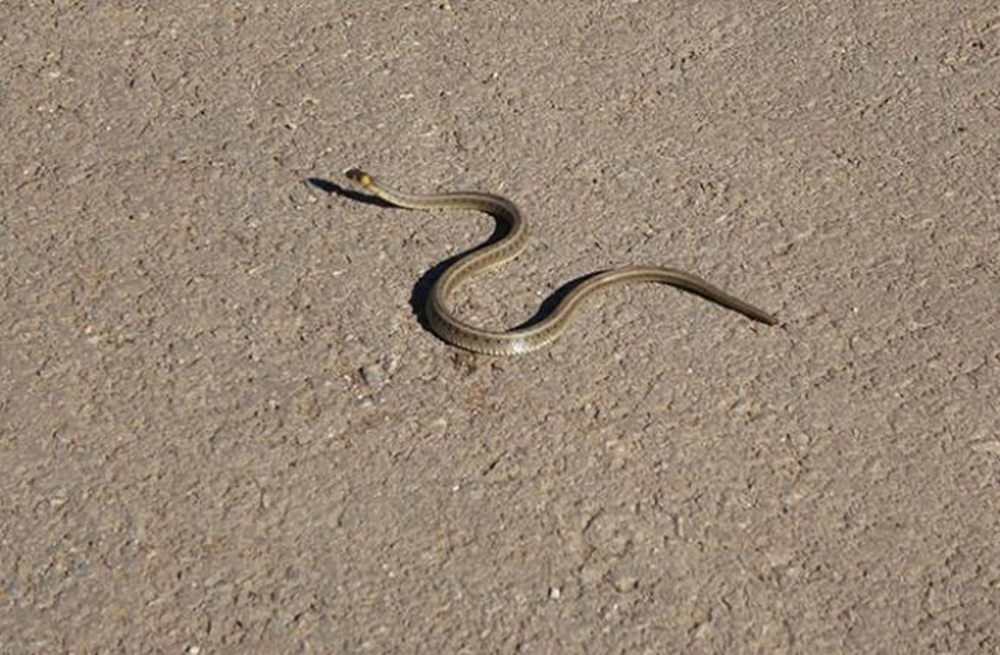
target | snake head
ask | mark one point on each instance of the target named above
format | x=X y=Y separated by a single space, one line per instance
x=359 y=176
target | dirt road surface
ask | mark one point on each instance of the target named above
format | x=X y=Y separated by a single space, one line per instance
x=224 y=427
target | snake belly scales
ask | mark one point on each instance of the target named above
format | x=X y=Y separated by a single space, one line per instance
x=546 y=330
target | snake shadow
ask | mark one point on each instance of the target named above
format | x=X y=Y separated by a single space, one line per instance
x=422 y=289
x=335 y=189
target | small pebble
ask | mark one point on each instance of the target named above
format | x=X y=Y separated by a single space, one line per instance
x=373 y=375
x=625 y=583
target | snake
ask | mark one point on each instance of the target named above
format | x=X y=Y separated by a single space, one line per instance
x=537 y=333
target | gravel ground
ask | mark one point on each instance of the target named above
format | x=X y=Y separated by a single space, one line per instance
x=225 y=428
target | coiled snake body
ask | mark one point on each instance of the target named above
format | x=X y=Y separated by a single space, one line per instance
x=548 y=329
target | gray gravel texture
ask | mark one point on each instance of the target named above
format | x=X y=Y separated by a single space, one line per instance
x=224 y=429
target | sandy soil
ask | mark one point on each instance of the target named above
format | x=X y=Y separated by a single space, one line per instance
x=224 y=428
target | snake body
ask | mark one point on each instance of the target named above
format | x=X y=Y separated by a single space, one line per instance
x=543 y=332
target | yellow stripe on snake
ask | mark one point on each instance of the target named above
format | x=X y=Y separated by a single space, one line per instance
x=543 y=332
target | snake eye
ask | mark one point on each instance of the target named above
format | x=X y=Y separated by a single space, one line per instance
x=359 y=176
